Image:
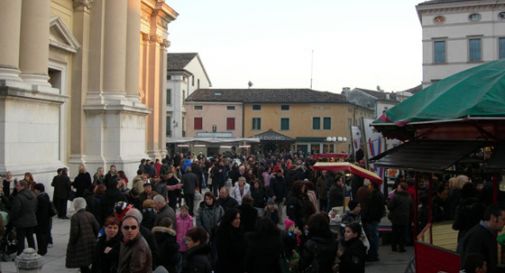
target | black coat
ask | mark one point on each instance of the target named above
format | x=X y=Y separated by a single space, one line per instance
x=260 y=197
x=44 y=211
x=106 y=255
x=279 y=188
x=227 y=203
x=319 y=252
x=353 y=258
x=374 y=208
x=61 y=184
x=230 y=245
x=197 y=260
x=263 y=254
x=248 y=216
x=468 y=214
x=168 y=249
x=399 y=208
x=480 y=240
x=82 y=184
x=148 y=218
x=335 y=196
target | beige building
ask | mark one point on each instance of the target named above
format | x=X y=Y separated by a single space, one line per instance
x=81 y=82
x=283 y=119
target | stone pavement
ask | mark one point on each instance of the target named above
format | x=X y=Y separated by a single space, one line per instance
x=54 y=261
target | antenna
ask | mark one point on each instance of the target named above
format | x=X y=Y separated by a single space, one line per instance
x=311 y=67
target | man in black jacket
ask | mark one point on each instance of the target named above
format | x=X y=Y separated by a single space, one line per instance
x=371 y=215
x=61 y=194
x=482 y=237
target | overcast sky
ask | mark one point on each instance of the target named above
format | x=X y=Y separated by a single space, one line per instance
x=270 y=42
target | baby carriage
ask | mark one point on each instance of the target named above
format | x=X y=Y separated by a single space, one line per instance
x=8 y=248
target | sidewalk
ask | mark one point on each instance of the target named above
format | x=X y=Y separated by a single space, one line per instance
x=54 y=261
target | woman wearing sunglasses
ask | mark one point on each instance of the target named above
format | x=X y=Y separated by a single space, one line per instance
x=134 y=254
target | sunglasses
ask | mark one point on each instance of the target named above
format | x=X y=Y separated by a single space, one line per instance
x=129 y=227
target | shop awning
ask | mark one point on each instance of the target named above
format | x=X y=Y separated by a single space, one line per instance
x=272 y=135
x=427 y=155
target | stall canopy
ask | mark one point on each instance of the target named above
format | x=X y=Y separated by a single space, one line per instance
x=347 y=167
x=427 y=155
x=476 y=92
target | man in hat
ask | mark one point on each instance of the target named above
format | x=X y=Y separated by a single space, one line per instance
x=148 y=192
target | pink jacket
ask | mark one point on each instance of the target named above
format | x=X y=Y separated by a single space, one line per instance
x=183 y=225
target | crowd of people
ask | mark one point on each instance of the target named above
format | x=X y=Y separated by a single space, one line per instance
x=190 y=213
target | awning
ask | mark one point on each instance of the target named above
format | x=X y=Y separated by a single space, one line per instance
x=272 y=135
x=427 y=155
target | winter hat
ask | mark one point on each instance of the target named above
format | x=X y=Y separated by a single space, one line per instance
x=120 y=209
x=288 y=224
x=39 y=187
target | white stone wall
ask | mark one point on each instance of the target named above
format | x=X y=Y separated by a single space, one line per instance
x=456 y=30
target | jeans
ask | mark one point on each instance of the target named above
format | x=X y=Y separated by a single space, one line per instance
x=372 y=233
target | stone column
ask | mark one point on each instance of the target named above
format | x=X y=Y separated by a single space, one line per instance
x=34 y=41
x=133 y=50
x=10 y=31
x=114 y=57
x=163 y=99
x=80 y=76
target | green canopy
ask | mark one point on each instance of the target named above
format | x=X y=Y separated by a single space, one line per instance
x=475 y=92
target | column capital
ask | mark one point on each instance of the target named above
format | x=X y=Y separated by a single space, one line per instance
x=83 y=5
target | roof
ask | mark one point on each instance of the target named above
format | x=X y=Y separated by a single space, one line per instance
x=475 y=92
x=178 y=61
x=251 y=95
x=414 y=90
x=427 y=155
x=436 y=2
x=380 y=95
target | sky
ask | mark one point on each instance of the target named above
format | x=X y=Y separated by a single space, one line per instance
x=281 y=43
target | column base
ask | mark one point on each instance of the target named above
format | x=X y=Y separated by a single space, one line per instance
x=9 y=74
x=36 y=79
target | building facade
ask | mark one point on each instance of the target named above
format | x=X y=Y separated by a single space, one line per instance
x=460 y=34
x=283 y=119
x=185 y=74
x=80 y=82
x=378 y=101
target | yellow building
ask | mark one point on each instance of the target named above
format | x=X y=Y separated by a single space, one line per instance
x=293 y=119
x=81 y=82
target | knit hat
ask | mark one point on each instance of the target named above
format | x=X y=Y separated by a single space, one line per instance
x=288 y=224
x=120 y=209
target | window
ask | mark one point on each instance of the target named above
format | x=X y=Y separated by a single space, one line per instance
x=474 y=17
x=198 y=124
x=198 y=83
x=284 y=124
x=198 y=107
x=256 y=123
x=327 y=123
x=230 y=123
x=256 y=107
x=183 y=94
x=169 y=96
x=169 y=77
x=474 y=50
x=316 y=123
x=501 y=48
x=439 y=56
x=230 y=107
x=192 y=80
x=168 y=125
x=285 y=107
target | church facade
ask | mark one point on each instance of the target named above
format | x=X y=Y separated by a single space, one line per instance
x=81 y=82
